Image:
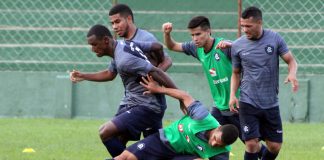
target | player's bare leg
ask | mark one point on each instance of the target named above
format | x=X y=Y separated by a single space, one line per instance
x=126 y=155
x=107 y=131
x=272 y=151
x=109 y=137
x=273 y=147
x=252 y=145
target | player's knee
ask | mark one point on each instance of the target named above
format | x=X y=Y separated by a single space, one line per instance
x=101 y=134
x=274 y=147
x=126 y=155
x=252 y=145
x=106 y=131
x=101 y=127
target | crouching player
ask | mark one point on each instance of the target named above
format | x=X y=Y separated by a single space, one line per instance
x=197 y=133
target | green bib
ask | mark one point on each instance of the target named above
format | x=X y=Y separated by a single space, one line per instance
x=182 y=136
x=218 y=70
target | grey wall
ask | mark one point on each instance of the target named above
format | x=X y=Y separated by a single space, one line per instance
x=51 y=94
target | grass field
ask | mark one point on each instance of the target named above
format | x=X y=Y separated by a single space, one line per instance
x=60 y=139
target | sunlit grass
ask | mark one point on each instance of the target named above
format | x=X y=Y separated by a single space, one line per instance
x=77 y=139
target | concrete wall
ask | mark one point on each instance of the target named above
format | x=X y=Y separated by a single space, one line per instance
x=51 y=94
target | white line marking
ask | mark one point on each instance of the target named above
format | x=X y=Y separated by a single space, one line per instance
x=40 y=45
x=235 y=30
x=150 y=12
x=22 y=28
x=105 y=63
x=43 y=46
x=50 y=62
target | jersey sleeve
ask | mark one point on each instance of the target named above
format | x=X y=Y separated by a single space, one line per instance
x=112 y=67
x=227 y=51
x=197 y=111
x=190 y=49
x=282 y=46
x=236 y=60
x=138 y=66
x=150 y=37
x=144 y=45
x=135 y=61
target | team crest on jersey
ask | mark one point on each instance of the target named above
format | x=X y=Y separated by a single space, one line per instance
x=217 y=56
x=246 y=129
x=180 y=127
x=187 y=138
x=140 y=146
x=269 y=49
x=212 y=72
x=200 y=148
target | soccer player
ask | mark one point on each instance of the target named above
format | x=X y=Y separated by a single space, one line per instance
x=197 y=133
x=215 y=56
x=137 y=112
x=122 y=21
x=255 y=59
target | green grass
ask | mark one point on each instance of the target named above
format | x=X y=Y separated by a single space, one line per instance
x=60 y=139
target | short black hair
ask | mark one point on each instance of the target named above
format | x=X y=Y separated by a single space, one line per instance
x=122 y=9
x=199 y=21
x=99 y=31
x=253 y=12
x=229 y=134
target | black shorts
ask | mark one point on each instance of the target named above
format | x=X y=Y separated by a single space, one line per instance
x=152 y=148
x=260 y=123
x=132 y=121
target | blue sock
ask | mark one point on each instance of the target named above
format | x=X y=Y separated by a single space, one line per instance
x=250 y=156
x=114 y=146
x=262 y=150
x=267 y=155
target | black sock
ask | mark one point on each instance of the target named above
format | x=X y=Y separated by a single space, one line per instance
x=267 y=155
x=114 y=146
x=262 y=150
x=250 y=156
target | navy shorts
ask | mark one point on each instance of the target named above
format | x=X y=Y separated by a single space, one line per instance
x=153 y=148
x=131 y=121
x=260 y=123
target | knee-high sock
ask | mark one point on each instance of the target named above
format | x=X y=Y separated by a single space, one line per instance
x=114 y=146
x=250 y=156
x=262 y=150
x=267 y=155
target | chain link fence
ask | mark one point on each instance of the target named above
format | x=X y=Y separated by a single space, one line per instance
x=301 y=23
x=46 y=35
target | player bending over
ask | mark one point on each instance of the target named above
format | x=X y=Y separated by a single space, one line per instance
x=197 y=133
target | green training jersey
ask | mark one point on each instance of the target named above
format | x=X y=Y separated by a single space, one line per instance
x=182 y=136
x=218 y=69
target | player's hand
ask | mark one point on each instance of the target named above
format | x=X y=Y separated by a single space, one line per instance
x=223 y=45
x=167 y=27
x=151 y=85
x=233 y=104
x=76 y=76
x=293 y=80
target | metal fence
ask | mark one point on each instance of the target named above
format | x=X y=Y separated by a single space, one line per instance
x=301 y=23
x=46 y=35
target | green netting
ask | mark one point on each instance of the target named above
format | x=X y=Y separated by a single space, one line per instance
x=46 y=35
x=301 y=23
